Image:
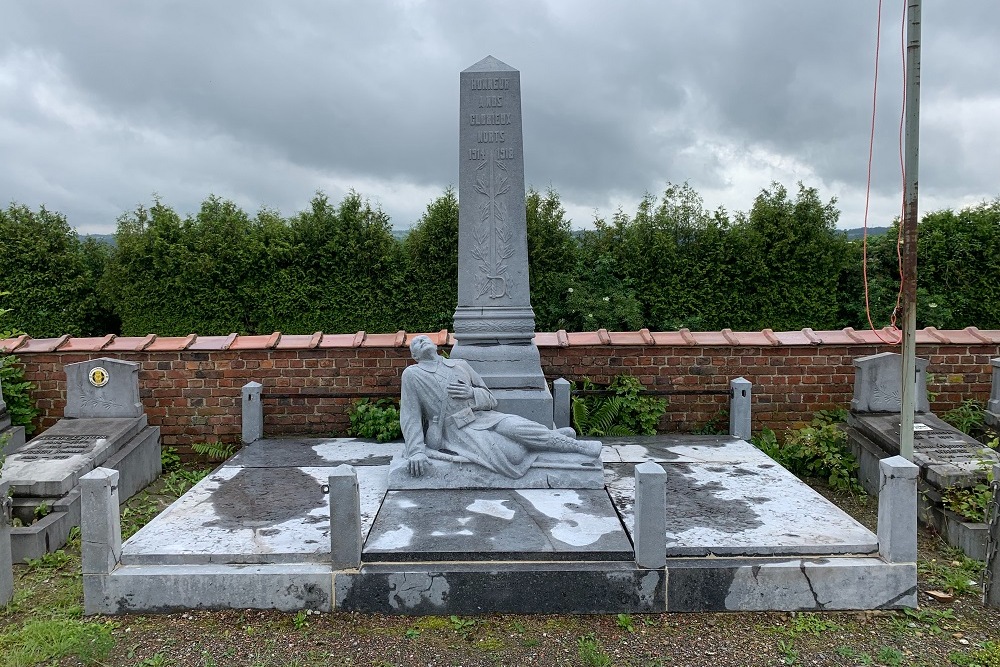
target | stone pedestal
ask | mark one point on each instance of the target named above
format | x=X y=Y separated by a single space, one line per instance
x=494 y=322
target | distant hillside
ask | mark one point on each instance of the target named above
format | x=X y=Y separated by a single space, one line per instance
x=859 y=232
x=107 y=239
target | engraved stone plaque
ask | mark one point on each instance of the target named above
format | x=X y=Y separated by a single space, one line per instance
x=59 y=446
x=102 y=388
x=878 y=384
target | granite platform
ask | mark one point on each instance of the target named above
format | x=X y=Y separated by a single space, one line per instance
x=742 y=533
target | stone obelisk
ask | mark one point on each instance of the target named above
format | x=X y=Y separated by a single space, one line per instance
x=494 y=322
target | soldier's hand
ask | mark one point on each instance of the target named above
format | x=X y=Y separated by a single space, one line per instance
x=460 y=391
x=418 y=464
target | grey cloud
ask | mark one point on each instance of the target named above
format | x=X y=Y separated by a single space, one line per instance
x=265 y=102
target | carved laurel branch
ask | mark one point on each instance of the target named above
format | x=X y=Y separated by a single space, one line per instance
x=98 y=403
x=492 y=266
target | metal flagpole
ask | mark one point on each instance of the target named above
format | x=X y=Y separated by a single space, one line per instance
x=909 y=222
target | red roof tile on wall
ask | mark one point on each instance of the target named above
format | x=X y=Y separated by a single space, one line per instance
x=342 y=340
x=41 y=344
x=212 y=343
x=299 y=341
x=130 y=343
x=86 y=344
x=681 y=338
x=171 y=343
x=11 y=344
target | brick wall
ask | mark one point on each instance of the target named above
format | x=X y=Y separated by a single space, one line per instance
x=190 y=386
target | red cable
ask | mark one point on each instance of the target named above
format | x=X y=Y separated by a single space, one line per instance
x=868 y=189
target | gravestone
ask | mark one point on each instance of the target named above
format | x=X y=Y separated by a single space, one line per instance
x=102 y=388
x=103 y=425
x=993 y=407
x=494 y=323
x=878 y=384
x=11 y=437
x=945 y=456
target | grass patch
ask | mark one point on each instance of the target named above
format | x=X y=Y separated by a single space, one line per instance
x=40 y=641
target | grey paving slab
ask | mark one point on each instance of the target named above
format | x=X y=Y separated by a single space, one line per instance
x=315 y=452
x=756 y=508
x=679 y=448
x=251 y=515
x=51 y=464
x=497 y=524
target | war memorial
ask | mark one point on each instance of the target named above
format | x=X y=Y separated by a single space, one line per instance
x=491 y=503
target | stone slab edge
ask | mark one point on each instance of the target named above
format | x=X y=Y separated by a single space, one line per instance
x=167 y=588
x=467 y=588
x=471 y=476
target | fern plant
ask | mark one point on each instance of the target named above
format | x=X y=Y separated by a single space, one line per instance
x=603 y=421
x=625 y=412
x=214 y=451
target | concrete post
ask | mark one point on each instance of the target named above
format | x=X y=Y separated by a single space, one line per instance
x=993 y=407
x=650 y=532
x=739 y=408
x=253 y=413
x=3 y=405
x=100 y=521
x=991 y=577
x=897 y=510
x=561 y=403
x=345 y=518
x=6 y=562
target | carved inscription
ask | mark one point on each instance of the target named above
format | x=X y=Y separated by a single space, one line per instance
x=493 y=234
x=58 y=446
x=945 y=446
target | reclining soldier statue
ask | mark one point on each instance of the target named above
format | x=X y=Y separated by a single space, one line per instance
x=448 y=415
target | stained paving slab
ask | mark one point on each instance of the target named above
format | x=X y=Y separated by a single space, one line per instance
x=724 y=497
x=497 y=524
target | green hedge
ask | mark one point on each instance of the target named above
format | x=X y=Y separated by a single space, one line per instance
x=338 y=268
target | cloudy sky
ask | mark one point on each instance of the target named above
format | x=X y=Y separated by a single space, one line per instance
x=104 y=104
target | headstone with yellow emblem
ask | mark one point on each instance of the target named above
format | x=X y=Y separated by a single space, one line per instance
x=103 y=425
x=102 y=388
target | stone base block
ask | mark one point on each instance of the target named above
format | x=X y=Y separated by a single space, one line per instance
x=820 y=584
x=685 y=585
x=48 y=533
x=168 y=588
x=969 y=536
x=573 y=472
x=528 y=588
x=992 y=418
